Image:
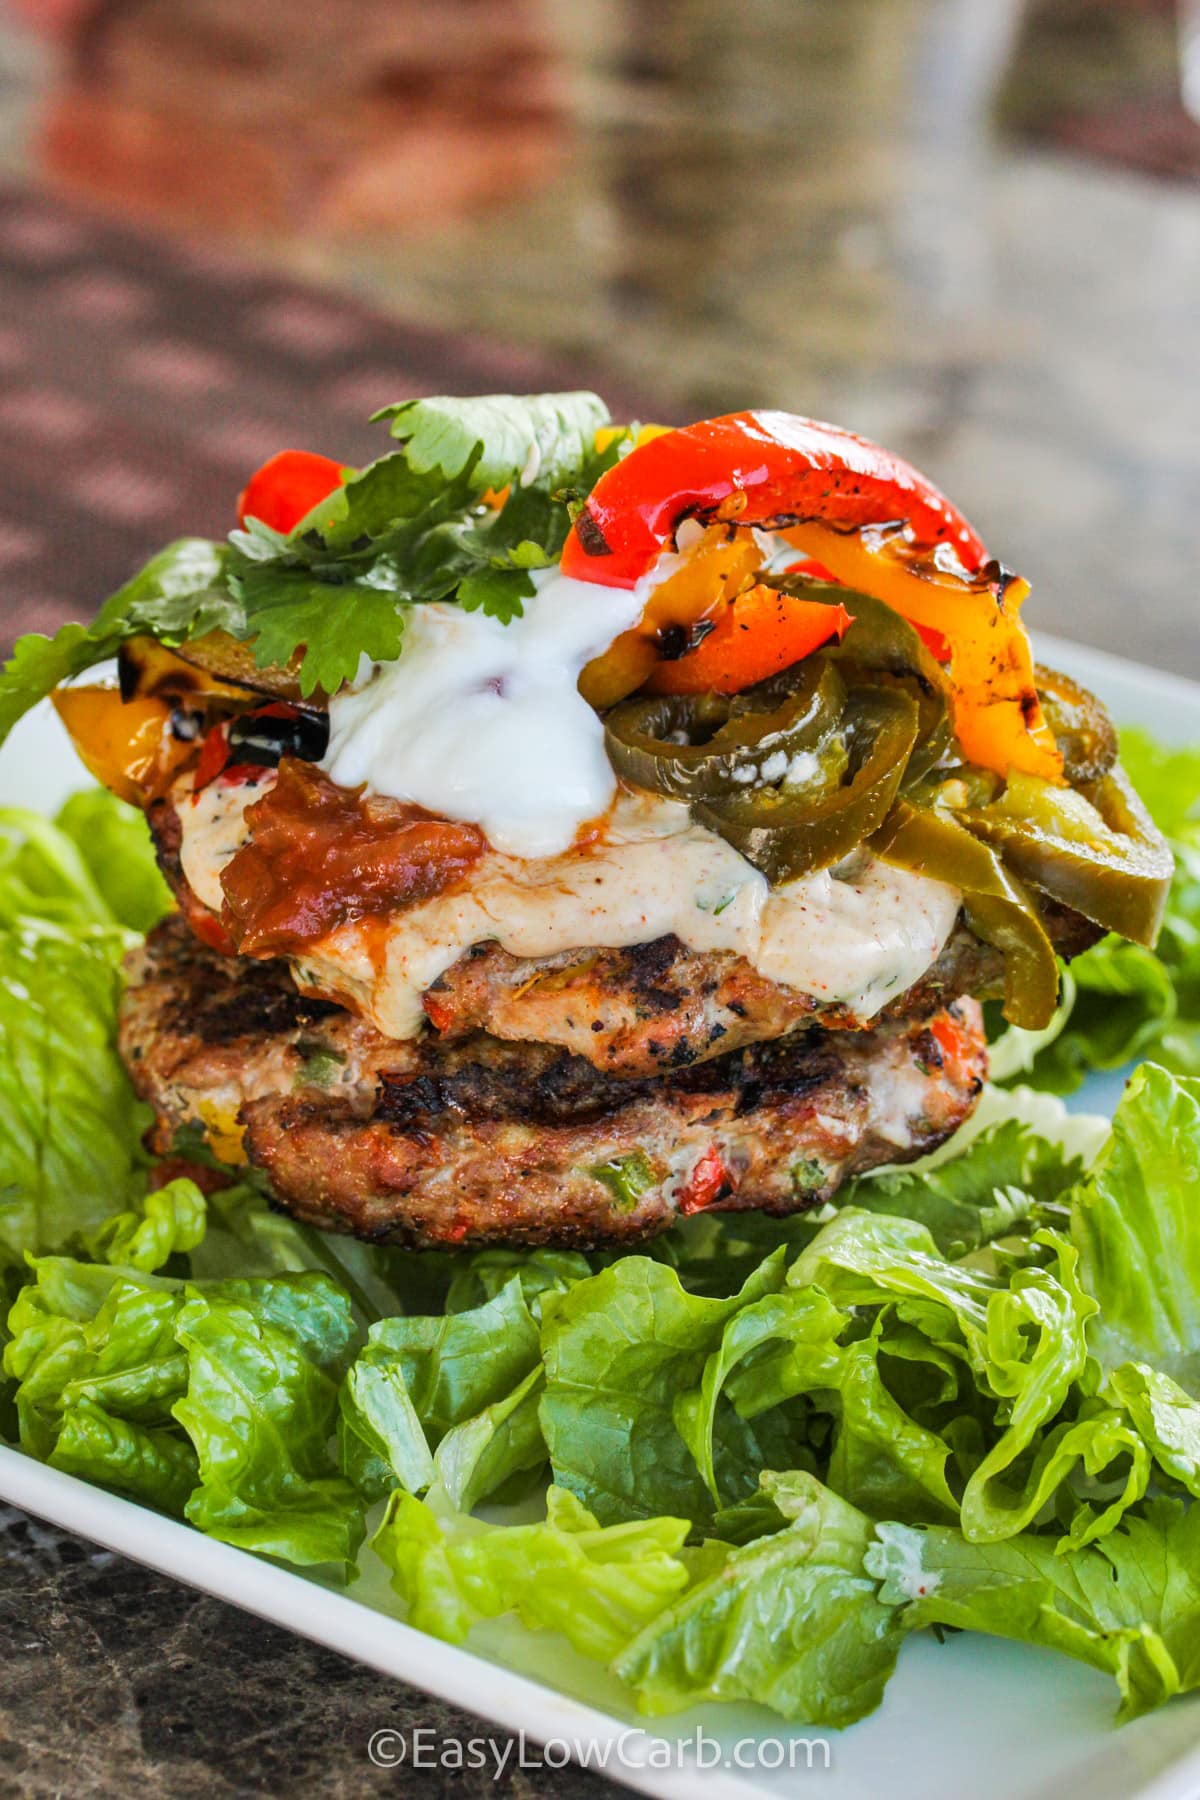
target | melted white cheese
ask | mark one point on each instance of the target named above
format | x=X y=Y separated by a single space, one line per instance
x=484 y=722
x=856 y=939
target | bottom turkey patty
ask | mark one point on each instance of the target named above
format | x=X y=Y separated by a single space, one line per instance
x=476 y=1141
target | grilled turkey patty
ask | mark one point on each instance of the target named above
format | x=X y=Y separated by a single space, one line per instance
x=481 y=1141
x=651 y=1008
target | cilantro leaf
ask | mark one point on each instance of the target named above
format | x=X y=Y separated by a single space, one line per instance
x=413 y=526
x=388 y=500
x=526 y=438
x=337 y=624
x=497 y=592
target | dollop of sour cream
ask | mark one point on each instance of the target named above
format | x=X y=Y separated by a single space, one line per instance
x=484 y=722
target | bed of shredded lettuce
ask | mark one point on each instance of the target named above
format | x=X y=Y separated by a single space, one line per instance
x=968 y=1395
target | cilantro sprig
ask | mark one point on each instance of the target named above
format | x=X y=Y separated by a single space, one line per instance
x=474 y=496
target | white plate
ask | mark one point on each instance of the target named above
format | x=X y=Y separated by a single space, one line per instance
x=973 y=1715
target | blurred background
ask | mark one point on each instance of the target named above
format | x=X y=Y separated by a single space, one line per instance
x=970 y=228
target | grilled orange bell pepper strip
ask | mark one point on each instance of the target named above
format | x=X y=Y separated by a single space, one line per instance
x=693 y=595
x=998 y=717
x=760 y=633
x=868 y=517
x=288 y=486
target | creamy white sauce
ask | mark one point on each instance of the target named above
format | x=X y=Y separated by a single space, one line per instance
x=484 y=722
x=855 y=940
x=213 y=831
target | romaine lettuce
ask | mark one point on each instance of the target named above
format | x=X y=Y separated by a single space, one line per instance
x=794 y=1621
x=1129 y=1605
x=264 y=1361
x=69 y=1123
x=597 y=1585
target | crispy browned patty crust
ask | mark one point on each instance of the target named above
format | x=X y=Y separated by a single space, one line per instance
x=652 y=1008
x=660 y=1006
x=481 y=1141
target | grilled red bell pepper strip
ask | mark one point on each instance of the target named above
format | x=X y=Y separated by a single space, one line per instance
x=287 y=487
x=214 y=755
x=767 y=468
x=868 y=518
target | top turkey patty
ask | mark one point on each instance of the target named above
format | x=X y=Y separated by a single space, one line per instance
x=632 y=1009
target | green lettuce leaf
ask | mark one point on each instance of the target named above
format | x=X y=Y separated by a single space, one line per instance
x=769 y=1340
x=542 y=1272
x=215 y=1402
x=114 y=843
x=618 y=1349
x=466 y=1386
x=94 y=867
x=381 y=1443
x=792 y=1621
x=1128 y=1001
x=1024 y=1339
x=488 y=1454
x=1129 y=1605
x=166 y=1223
x=879 y=1458
x=984 y=1193
x=265 y=1359
x=1120 y=1002
x=596 y=1585
x=1165 y=1416
x=93 y=1339
x=158 y=1468
x=1134 y=1222
x=69 y=1149
x=44 y=876
x=1167 y=778
x=247 y=1235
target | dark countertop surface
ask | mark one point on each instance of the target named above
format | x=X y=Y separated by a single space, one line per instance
x=118 y=1681
x=862 y=211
